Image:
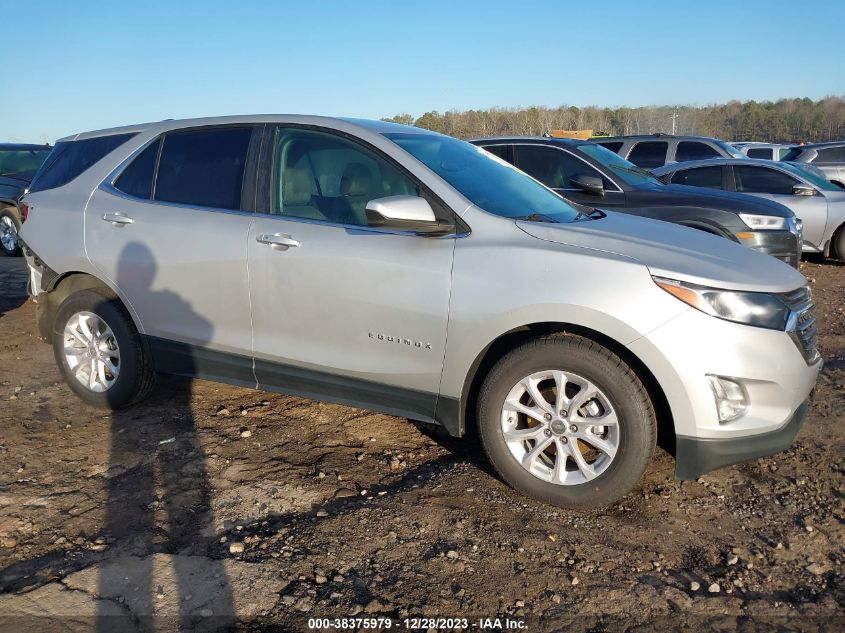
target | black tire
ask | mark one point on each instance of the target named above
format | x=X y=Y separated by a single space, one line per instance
x=628 y=396
x=8 y=215
x=839 y=244
x=135 y=378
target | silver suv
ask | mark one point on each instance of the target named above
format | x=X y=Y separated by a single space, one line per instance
x=404 y=271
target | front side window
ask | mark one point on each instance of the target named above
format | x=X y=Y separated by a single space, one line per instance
x=203 y=167
x=554 y=167
x=485 y=180
x=783 y=152
x=792 y=154
x=649 y=154
x=137 y=179
x=750 y=179
x=710 y=177
x=613 y=146
x=830 y=155
x=759 y=152
x=70 y=158
x=21 y=161
x=321 y=176
x=694 y=150
x=620 y=167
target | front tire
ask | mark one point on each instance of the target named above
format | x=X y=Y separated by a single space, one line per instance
x=566 y=421
x=10 y=226
x=99 y=351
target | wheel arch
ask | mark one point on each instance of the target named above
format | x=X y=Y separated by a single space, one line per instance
x=507 y=341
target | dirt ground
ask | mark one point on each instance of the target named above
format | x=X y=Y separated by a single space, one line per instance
x=222 y=508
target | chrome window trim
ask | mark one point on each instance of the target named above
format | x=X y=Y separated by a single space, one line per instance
x=353 y=227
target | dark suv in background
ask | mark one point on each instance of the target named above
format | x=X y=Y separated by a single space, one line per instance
x=18 y=164
x=656 y=150
x=587 y=173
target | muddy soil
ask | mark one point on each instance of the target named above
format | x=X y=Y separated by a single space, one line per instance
x=223 y=508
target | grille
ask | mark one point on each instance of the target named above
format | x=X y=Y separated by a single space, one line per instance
x=802 y=323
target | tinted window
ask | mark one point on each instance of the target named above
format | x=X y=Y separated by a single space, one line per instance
x=620 y=167
x=324 y=177
x=762 y=180
x=70 y=158
x=792 y=154
x=137 y=178
x=830 y=155
x=700 y=177
x=21 y=161
x=487 y=181
x=649 y=154
x=554 y=167
x=203 y=167
x=759 y=152
x=783 y=152
x=502 y=151
x=613 y=146
x=693 y=150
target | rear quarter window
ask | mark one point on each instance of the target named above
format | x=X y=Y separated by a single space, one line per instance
x=71 y=158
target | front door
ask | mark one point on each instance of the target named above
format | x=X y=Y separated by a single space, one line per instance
x=342 y=311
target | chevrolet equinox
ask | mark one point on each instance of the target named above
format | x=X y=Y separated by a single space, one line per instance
x=400 y=270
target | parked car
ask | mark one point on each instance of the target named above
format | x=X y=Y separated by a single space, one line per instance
x=400 y=270
x=767 y=151
x=587 y=173
x=655 y=150
x=18 y=163
x=818 y=203
x=829 y=157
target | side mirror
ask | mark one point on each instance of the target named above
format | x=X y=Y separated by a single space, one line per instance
x=803 y=190
x=405 y=213
x=590 y=184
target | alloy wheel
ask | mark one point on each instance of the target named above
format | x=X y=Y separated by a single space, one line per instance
x=8 y=234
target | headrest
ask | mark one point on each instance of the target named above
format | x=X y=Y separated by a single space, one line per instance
x=296 y=186
x=356 y=180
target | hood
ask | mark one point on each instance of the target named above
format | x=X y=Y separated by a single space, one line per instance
x=686 y=196
x=673 y=251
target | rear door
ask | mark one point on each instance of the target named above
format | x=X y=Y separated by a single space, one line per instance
x=776 y=185
x=343 y=311
x=170 y=232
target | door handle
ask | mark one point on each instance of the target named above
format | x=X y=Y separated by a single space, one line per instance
x=117 y=219
x=278 y=241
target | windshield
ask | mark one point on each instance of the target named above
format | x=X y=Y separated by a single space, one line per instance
x=21 y=161
x=486 y=180
x=732 y=151
x=809 y=174
x=625 y=170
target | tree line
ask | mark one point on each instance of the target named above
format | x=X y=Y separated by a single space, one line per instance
x=786 y=120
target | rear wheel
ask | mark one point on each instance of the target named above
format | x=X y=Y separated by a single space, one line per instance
x=566 y=421
x=10 y=226
x=99 y=351
x=839 y=244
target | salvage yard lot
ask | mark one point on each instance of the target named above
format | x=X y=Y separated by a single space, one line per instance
x=215 y=503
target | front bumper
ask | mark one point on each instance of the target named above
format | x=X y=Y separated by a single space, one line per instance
x=782 y=245
x=695 y=456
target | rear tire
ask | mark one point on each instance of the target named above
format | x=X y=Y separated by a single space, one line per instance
x=616 y=428
x=99 y=351
x=10 y=226
x=839 y=243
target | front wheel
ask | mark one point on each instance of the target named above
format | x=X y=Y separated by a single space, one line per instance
x=10 y=226
x=99 y=351
x=566 y=421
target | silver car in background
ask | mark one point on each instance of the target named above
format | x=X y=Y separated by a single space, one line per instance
x=828 y=157
x=404 y=271
x=766 y=151
x=817 y=202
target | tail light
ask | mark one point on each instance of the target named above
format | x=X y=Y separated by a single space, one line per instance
x=24 y=210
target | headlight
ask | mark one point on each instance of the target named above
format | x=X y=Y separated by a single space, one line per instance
x=764 y=222
x=752 y=308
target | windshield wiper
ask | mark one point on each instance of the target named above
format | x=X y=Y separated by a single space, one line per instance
x=537 y=217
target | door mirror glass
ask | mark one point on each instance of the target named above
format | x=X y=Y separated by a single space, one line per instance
x=803 y=190
x=405 y=213
x=590 y=184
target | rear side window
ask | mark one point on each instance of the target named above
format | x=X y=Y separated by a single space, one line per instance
x=784 y=152
x=710 y=177
x=502 y=151
x=763 y=180
x=137 y=179
x=830 y=155
x=693 y=150
x=203 y=167
x=649 y=154
x=792 y=154
x=70 y=158
x=613 y=146
x=759 y=152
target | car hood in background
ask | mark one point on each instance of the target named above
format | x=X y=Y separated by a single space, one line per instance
x=655 y=195
x=673 y=251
